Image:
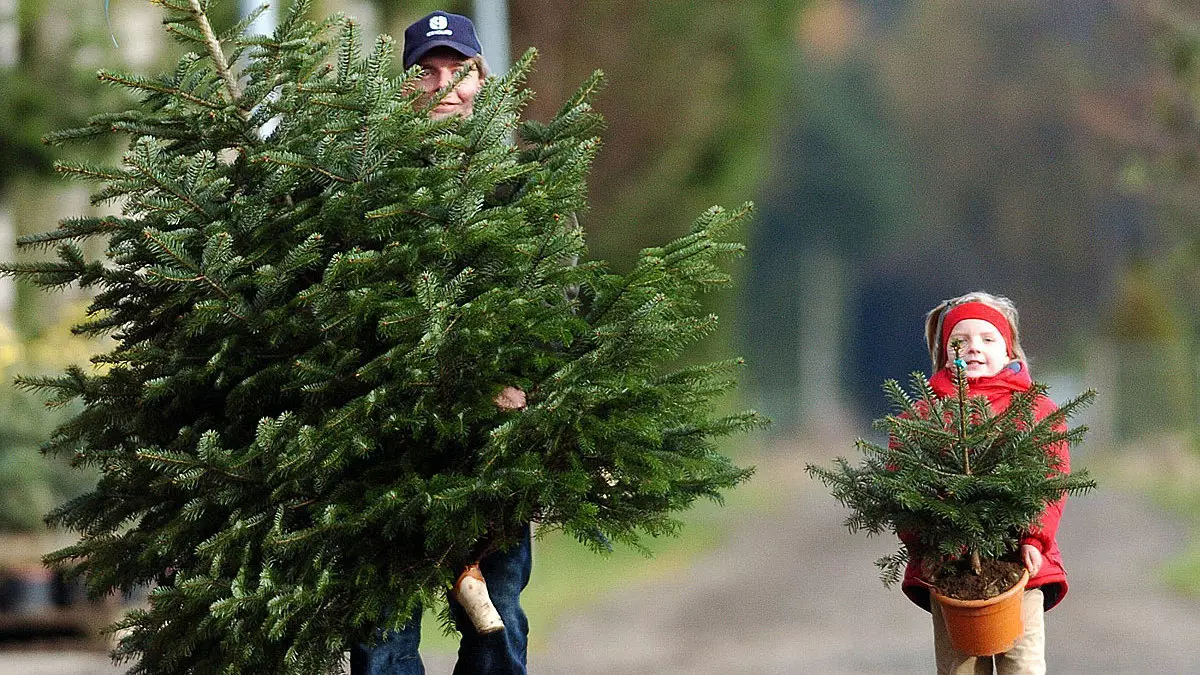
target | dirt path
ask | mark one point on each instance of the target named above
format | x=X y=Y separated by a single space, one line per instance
x=792 y=592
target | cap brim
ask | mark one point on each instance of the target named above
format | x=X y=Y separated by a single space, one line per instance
x=465 y=50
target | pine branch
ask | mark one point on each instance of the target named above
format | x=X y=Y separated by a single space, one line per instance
x=143 y=84
x=216 y=54
x=145 y=170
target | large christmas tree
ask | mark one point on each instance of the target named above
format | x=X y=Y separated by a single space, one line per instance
x=317 y=293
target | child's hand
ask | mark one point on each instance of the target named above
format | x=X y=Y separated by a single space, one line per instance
x=510 y=398
x=1032 y=558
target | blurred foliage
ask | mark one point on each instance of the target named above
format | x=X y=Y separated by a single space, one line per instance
x=942 y=146
x=29 y=109
x=839 y=183
x=1158 y=307
x=1143 y=309
x=31 y=484
x=1016 y=194
x=694 y=96
x=1166 y=166
x=23 y=112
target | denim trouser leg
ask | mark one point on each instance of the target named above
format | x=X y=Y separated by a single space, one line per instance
x=393 y=654
x=502 y=652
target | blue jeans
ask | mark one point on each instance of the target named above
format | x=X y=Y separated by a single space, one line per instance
x=499 y=653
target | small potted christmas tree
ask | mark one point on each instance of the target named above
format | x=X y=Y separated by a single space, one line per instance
x=960 y=484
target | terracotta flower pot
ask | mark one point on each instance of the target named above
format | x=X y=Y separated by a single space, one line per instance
x=984 y=627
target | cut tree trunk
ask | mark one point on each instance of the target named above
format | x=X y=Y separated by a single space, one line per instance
x=471 y=592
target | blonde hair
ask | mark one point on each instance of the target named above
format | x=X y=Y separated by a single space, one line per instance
x=933 y=324
x=481 y=66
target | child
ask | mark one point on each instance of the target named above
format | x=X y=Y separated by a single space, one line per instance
x=985 y=326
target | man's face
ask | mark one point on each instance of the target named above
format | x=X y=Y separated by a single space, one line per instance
x=440 y=66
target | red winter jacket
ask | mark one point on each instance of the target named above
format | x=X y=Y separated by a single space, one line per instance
x=998 y=389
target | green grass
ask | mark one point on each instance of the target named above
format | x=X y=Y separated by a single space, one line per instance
x=1167 y=469
x=1182 y=497
x=1183 y=571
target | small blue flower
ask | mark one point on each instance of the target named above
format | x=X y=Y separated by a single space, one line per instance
x=960 y=364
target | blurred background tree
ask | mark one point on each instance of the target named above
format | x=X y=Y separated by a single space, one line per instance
x=1157 y=305
x=936 y=147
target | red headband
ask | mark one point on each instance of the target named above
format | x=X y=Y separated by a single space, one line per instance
x=976 y=310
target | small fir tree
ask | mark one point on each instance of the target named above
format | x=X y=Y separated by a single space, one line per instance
x=962 y=482
x=316 y=293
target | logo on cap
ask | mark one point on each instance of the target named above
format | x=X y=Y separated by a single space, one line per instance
x=437 y=26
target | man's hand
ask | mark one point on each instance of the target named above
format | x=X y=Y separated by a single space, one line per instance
x=510 y=398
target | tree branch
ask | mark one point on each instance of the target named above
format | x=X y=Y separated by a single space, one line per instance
x=218 y=56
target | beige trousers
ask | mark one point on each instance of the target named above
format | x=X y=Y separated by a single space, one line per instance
x=1027 y=657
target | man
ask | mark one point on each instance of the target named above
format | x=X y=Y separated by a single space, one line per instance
x=441 y=43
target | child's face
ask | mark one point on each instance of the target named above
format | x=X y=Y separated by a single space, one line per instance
x=983 y=347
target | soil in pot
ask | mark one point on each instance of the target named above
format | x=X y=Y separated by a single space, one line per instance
x=956 y=580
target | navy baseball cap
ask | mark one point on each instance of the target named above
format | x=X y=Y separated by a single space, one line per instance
x=440 y=29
